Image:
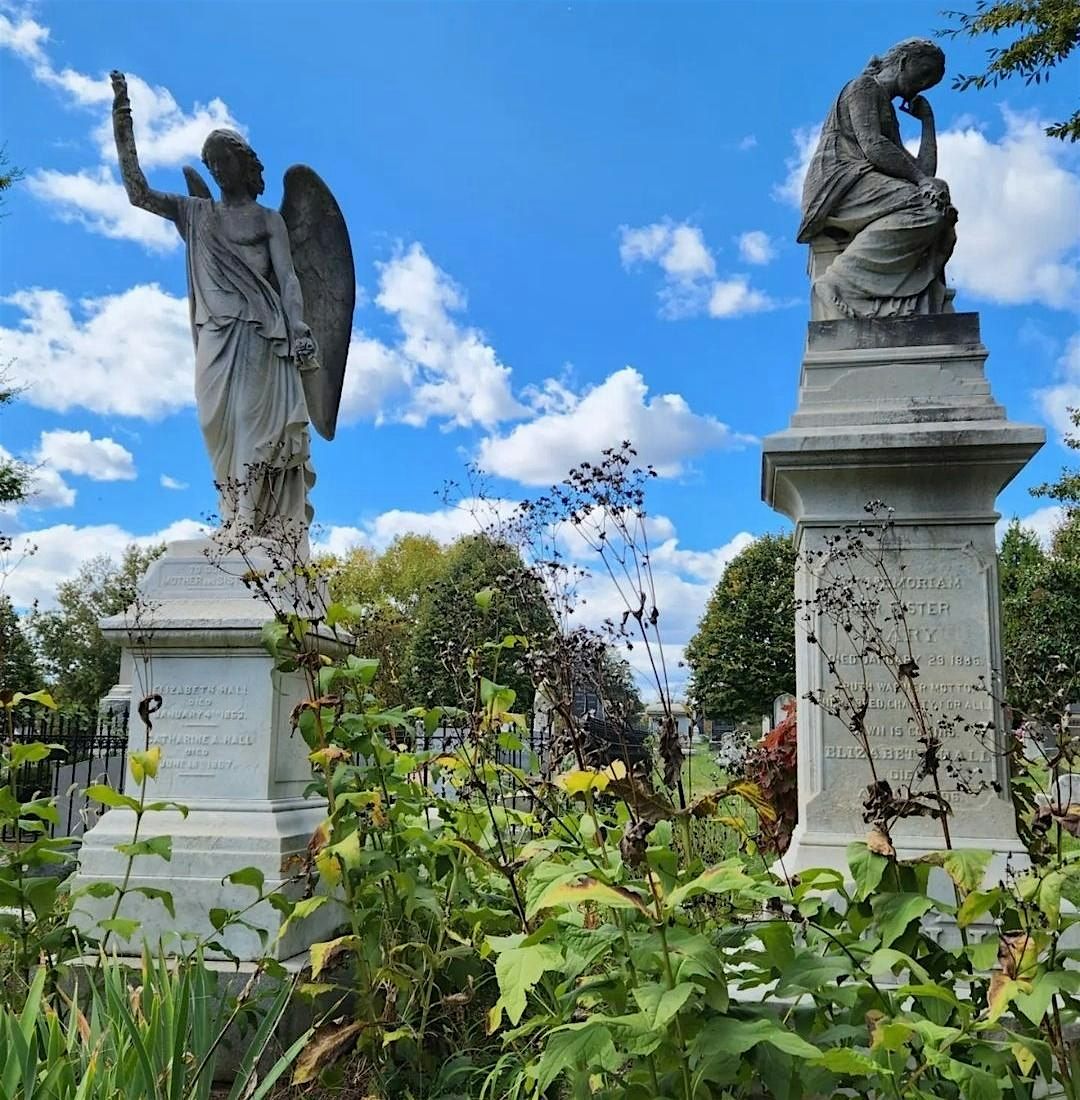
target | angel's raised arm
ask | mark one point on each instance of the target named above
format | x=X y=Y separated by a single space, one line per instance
x=139 y=192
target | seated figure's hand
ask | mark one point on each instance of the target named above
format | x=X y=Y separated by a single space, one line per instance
x=936 y=192
x=919 y=108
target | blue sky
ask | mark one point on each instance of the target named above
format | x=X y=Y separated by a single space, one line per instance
x=572 y=223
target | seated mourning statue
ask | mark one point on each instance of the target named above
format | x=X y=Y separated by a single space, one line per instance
x=880 y=225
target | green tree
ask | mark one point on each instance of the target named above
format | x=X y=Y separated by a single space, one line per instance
x=19 y=669
x=743 y=654
x=14 y=475
x=1046 y=32
x=80 y=665
x=450 y=625
x=384 y=592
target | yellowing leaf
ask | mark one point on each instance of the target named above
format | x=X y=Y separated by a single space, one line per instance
x=323 y=954
x=591 y=779
x=144 y=763
x=324 y=1047
x=586 y=889
x=1024 y=1058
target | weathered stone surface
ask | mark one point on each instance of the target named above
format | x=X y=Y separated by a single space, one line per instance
x=228 y=755
x=865 y=431
x=955 y=330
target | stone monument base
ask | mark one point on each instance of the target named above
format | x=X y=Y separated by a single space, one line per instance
x=899 y=411
x=229 y=756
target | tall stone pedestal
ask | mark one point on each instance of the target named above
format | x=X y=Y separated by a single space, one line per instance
x=228 y=755
x=900 y=411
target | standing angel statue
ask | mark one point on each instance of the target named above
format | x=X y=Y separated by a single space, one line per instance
x=271 y=297
x=880 y=224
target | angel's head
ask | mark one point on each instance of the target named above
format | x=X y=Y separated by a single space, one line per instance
x=233 y=163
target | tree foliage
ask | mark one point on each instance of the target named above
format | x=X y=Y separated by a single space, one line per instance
x=384 y=592
x=451 y=623
x=1040 y=605
x=743 y=654
x=1047 y=32
x=79 y=664
x=19 y=669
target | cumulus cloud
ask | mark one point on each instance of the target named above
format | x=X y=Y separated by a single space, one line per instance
x=756 y=247
x=165 y=133
x=691 y=286
x=1019 y=203
x=172 y=483
x=43 y=486
x=1042 y=523
x=1057 y=400
x=664 y=429
x=78 y=453
x=438 y=368
x=127 y=353
x=39 y=560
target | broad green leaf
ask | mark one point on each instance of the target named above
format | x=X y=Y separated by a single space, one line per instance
x=518 y=970
x=156 y=846
x=850 y=1062
x=725 y=878
x=867 y=868
x=124 y=927
x=104 y=794
x=323 y=954
x=483 y=598
x=247 y=876
x=812 y=973
x=967 y=867
x=661 y=1004
x=1049 y=896
x=42 y=698
x=155 y=894
x=895 y=912
x=976 y=904
x=738 y=1036
x=575 y=1045
x=29 y=753
x=975 y=1083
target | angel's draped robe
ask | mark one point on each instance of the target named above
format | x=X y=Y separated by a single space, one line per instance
x=898 y=242
x=248 y=390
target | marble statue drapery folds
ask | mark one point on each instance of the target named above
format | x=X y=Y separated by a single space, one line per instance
x=896 y=235
x=248 y=390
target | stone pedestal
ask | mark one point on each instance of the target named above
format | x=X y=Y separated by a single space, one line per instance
x=228 y=755
x=900 y=411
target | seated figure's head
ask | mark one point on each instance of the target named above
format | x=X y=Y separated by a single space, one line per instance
x=914 y=65
x=232 y=162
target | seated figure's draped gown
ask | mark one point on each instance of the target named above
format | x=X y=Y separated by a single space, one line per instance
x=248 y=390
x=894 y=263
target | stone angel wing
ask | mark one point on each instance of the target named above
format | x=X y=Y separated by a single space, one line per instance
x=323 y=260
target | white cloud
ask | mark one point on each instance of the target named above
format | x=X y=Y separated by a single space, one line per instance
x=1042 y=523
x=805 y=139
x=95 y=199
x=1019 y=204
x=44 y=487
x=1057 y=400
x=678 y=249
x=78 y=453
x=664 y=430
x=456 y=375
x=165 y=133
x=59 y=551
x=735 y=296
x=748 y=142
x=173 y=483
x=377 y=376
x=691 y=287
x=127 y=353
x=756 y=247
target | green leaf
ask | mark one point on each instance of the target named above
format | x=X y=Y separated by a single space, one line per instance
x=124 y=927
x=811 y=973
x=483 y=599
x=155 y=894
x=1049 y=896
x=518 y=970
x=29 y=753
x=976 y=904
x=661 y=1004
x=247 y=876
x=895 y=912
x=155 y=846
x=850 y=1062
x=588 y=1044
x=738 y=1036
x=867 y=868
x=725 y=878
x=975 y=1083
x=101 y=792
x=42 y=698
x=967 y=867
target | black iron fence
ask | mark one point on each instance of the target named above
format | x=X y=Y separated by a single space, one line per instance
x=84 y=751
